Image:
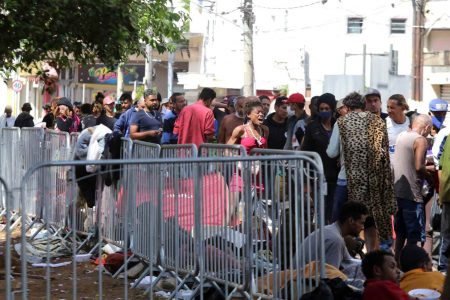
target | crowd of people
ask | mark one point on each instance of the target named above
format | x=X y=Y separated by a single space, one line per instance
x=382 y=170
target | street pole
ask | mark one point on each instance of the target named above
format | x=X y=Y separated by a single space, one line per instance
x=119 y=81
x=84 y=93
x=148 y=67
x=418 y=27
x=364 y=70
x=249 y=75
x=170 y=60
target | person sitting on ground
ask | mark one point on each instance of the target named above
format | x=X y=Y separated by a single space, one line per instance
x=350 y=223
x=417 y=265
x=382 y=276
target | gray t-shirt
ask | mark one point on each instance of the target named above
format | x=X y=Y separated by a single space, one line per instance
x=336 y=253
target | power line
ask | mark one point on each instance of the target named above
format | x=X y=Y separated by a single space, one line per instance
x=209 y=10
x=288 y=8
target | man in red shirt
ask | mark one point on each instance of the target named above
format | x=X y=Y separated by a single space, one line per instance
x=382 y=276
x=195 y=124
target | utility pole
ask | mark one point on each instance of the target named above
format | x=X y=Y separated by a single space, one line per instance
x=170 y=60
x=148 y=67
x=418 y=29
x=363 y=87
x=119 y=89
x=249 y=74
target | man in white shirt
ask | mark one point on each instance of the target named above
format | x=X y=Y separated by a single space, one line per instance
x=397 y=121
x=7 y=120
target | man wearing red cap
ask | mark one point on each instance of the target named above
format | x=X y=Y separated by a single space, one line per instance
x=296 y=123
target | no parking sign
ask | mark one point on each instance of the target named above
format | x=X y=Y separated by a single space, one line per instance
x=17 y=86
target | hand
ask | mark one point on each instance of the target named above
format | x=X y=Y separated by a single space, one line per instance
x=155 y=132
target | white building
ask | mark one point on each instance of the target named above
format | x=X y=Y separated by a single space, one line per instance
x=318 y=46
x=307 y=45
x=437 y=51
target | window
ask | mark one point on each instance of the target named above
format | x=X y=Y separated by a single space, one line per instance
x=354 y=25
x=398 y=26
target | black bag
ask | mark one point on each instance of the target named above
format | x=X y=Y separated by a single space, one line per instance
x=435 y=215
x=322 y=292
x=333 y=289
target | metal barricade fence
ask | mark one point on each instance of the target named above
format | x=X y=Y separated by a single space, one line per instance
x=220 y=150
x=178 y=151
x=10 y=164
x=31 y=141
x=6 y=199
x=190 y=228
x=73 y=140
x=284 y=215
x=55 y=183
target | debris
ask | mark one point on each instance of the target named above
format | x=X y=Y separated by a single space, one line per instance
x=43 y=265
x=145 y=283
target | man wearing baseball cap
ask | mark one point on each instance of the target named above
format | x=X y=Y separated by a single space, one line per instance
x=373 y=102
x=296 y=123
x=438 y=111
x=107 y=116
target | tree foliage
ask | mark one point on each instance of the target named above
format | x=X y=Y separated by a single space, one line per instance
x=84 y=30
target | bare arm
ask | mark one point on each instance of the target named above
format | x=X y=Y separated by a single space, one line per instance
x=135 y=135
x=420 y=149
x=237 y=133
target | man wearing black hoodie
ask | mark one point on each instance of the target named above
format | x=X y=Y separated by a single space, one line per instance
x=24 y=119
x=277 y=124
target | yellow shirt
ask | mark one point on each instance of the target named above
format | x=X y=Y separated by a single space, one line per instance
x=419 y=279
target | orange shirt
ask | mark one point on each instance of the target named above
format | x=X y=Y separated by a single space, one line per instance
x=419 y=279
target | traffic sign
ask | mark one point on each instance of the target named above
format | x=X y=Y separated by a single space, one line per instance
x=17 y=86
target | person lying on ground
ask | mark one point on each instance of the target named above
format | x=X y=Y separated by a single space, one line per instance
x=417 y=265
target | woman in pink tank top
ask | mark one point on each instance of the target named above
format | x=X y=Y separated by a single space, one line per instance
x=253 y=134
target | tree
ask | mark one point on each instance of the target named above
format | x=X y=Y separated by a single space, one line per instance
x=58 y=31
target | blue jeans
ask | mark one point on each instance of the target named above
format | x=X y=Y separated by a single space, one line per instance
x=409 y=223
x=445 y=237
x=340 y=197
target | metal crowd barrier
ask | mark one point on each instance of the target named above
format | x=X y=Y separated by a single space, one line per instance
x=184 y=228
x=32 y=139
x=10 y=164
x=73 y=140
x=178 y=151
x=284 y=215
x=225 y=220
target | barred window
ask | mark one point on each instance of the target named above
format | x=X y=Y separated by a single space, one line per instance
x=398 y=26
x=354 y=25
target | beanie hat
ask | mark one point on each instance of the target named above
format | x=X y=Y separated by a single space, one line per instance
x=329 y=99
x=65 y=101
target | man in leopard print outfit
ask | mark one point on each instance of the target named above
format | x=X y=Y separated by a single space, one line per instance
x=360 y=138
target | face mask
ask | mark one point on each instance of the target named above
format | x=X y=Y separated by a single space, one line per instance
x=290 y=111
x=325 y=114
x=437 y=121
